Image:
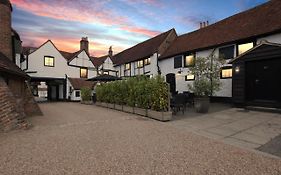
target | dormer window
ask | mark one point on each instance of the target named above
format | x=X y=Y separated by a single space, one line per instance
x=242 y=48
x=83 y=73
x=49 y=61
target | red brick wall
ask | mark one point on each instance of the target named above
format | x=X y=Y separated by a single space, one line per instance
x=5 y=31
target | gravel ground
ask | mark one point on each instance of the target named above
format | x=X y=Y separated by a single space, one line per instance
x=78 y=139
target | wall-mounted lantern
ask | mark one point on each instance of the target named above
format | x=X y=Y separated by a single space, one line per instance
x=237 y=69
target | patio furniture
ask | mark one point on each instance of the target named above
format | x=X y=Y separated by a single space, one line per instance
x=178 y=103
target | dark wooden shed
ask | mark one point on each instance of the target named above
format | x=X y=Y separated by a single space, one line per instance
x=257 y=77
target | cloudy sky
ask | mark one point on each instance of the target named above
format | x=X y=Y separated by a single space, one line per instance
x=120 y=23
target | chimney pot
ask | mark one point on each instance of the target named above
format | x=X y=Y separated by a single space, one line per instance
x=84 y=44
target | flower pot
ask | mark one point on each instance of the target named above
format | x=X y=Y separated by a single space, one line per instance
x=98 y=103
x=140 y=111
x=162 y=116
x=128 y=109
x=86 y=102
x=111 y=105
x=202 y=105
x=104 y=104
x=119 y=107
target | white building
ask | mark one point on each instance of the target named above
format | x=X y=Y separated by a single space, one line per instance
x=141 y=59
x=228 y=39
x=50 y=70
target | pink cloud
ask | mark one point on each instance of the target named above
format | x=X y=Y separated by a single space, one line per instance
x=69 y=11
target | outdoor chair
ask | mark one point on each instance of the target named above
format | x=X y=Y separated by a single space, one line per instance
x=178 y=103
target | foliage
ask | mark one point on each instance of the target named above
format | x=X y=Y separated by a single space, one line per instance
x=86 y=94
x=140 y=91
x=207 y=76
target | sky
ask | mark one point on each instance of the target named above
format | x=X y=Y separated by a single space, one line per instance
x=117 y=23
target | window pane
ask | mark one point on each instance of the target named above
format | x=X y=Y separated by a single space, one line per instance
x=189 y=60
x=83 y=73
x=178 y=62
x=226 y=73
x=77 y=93
x=147 y=61
x=226 y=52
x=140 y=63
x=128 y=66
x=242 y=48
x=48 y=61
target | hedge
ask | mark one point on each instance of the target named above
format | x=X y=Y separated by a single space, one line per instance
x=140 y=91
x=86 y=94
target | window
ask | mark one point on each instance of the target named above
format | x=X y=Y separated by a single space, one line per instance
x=189 y=60
x=105 y=72
x=226 y=52
x=189 y=77
x=226 y=72
x=178 y=62
x=140 y=64
x=147 y=61
x=83 y=73
x=127 y=66
x=77 y=93
x=242 y=48
x=49 y=61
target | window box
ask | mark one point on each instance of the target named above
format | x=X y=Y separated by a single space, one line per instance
x=140 y=111
x=162 y=116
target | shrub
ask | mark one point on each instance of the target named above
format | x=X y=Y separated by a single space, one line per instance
x=86 y=94
x=141 y=91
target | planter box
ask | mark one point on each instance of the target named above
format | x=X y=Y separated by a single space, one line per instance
x=111 y=105
x=162 y=116
x=140 y=111
x=119 y=107
x=128 y=109
x=104 y=104
x=86 y=102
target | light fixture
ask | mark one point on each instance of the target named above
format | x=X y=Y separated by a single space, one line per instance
x=237 y=69
x=179 y=72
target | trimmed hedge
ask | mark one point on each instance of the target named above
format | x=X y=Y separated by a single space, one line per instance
x=141 y=91
x=86 y=94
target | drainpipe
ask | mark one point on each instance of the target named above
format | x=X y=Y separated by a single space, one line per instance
x=159 y=71
x=211 y=79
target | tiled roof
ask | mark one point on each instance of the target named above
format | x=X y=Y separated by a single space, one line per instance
x=97 y=61
x=69 y=56
x=141 y=50
x=6 y=65
x=79 y=83
x=261 y=20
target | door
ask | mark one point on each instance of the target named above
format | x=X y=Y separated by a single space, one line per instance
x=263 y=81
x=171 y=79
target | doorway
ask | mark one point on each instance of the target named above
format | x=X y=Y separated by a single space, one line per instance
x=171 y=79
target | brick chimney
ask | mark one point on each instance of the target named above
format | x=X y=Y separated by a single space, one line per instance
x=84 y=44
x=6 y=29
x=110 y=51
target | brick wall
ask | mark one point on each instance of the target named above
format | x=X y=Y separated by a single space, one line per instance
x=5 y=31
x=11 y=111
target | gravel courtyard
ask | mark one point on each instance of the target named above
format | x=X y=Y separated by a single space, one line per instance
x=78 y=139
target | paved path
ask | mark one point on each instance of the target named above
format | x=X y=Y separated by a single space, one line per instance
x=247 y=129
x=78 y=139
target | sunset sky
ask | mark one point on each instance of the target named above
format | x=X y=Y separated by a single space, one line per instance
x=120 y=23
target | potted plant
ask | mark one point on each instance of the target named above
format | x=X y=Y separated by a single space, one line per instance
x=207 y=81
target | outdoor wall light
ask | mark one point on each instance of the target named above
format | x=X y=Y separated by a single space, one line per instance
x=237 y=69
x=179 y=72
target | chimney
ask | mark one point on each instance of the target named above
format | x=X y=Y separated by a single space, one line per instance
x=84 y=44
x=201 y=25
x=207 y=23
x=110 y=51
x=6 y=29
